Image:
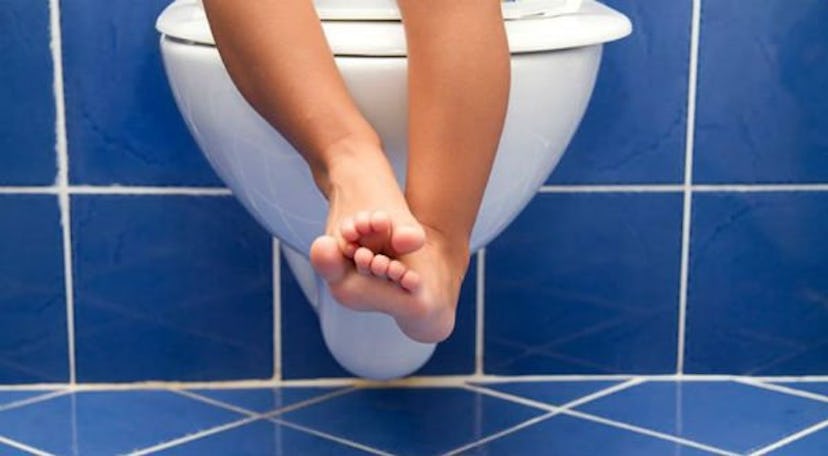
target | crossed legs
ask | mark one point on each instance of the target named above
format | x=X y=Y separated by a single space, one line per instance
x=402 y=253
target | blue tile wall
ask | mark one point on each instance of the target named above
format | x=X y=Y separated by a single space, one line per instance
x=33 y=337
x=585 y=283
x=762 y=97
x=587 y=280
x=758 y=298
x=634 y=129
x=170 y=288
x=122 y=124
x=27 y=101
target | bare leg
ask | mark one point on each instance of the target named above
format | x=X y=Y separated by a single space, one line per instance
x=459 y=73
x=277 y=56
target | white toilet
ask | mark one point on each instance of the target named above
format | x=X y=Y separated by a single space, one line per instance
x=556 y=51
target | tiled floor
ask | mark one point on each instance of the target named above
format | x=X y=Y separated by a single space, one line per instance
x=632 y=417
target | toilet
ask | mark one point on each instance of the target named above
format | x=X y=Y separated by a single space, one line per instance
x=556 y=52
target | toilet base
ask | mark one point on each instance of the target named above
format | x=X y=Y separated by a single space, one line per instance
x=367 y=344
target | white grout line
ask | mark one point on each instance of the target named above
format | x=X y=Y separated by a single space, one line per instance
x=221 y=191
x=497 y=435
x=649 y=188
x=32 y=400
x=649 y=432
x=784 y=389
x=126 y=190
x=480 y=300
x=62 y=180
x=325 y=435
x=195 y=436
x=756 y=188
x=791 y=438
x=271 y=415
x=686 y=222
x=567 y=410
x=23 y=447
x=414 y=382
x=28 y=190
x=277 y=312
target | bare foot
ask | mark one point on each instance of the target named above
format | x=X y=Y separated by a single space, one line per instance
x=367 y=207
x=421 y=294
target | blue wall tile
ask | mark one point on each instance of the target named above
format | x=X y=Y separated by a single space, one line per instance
x=170 y=288
x=32 y=301
x=634 y=129
x=762 y=97
x=585 y=284
x=304 y=354
x=27 y=101
x=122 y=123
x=758 y=284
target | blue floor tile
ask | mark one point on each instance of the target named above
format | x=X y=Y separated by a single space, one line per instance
x=99 y=423
x=262 y=438
x=264 y=399
x=555 y=393
x=813 y=445
x=726 y=415
x=568 y=436
x=813 y=387
x=412 y=421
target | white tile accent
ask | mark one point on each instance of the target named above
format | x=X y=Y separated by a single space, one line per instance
x=62 y=180
x=480 y=297
x=688 y=183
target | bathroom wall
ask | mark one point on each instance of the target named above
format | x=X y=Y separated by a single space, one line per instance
x=684 y=230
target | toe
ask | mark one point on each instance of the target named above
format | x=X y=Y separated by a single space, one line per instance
x=362 y=259
x=379 y=265
x=410 y=281
x=362 y=221
x=327 y=259
x=349 y=249
x=396 y=270
x=348 y=230
x=407 y=238
x=380 y=222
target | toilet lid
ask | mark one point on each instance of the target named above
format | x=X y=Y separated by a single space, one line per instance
x=373 y=28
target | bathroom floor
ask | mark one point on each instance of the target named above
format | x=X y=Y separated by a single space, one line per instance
x=637 y=416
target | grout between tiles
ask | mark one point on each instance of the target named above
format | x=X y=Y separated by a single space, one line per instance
x=277 y=311
x=23 y=447
x=33 y=400
x=686 y=221
x=480 y=301
x=566 y=409
x=784 y=389
x=62 y=180
x=791 y=438
x=325 y=435
x=254 y=416
x=128 y=190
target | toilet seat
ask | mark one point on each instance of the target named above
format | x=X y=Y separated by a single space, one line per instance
x=531 y=25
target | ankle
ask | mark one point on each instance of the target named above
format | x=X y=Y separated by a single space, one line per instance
x=453 y=246
x=345 y=161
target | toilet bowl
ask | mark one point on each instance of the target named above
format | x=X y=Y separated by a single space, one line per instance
x=556 y=51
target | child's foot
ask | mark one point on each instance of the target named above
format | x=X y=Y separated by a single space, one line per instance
x=367 y=207
x=421 y=294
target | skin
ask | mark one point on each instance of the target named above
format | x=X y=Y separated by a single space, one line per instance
x=402 y=253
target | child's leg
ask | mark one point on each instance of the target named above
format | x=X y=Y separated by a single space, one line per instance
x=459 y=72
x=277 y=56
